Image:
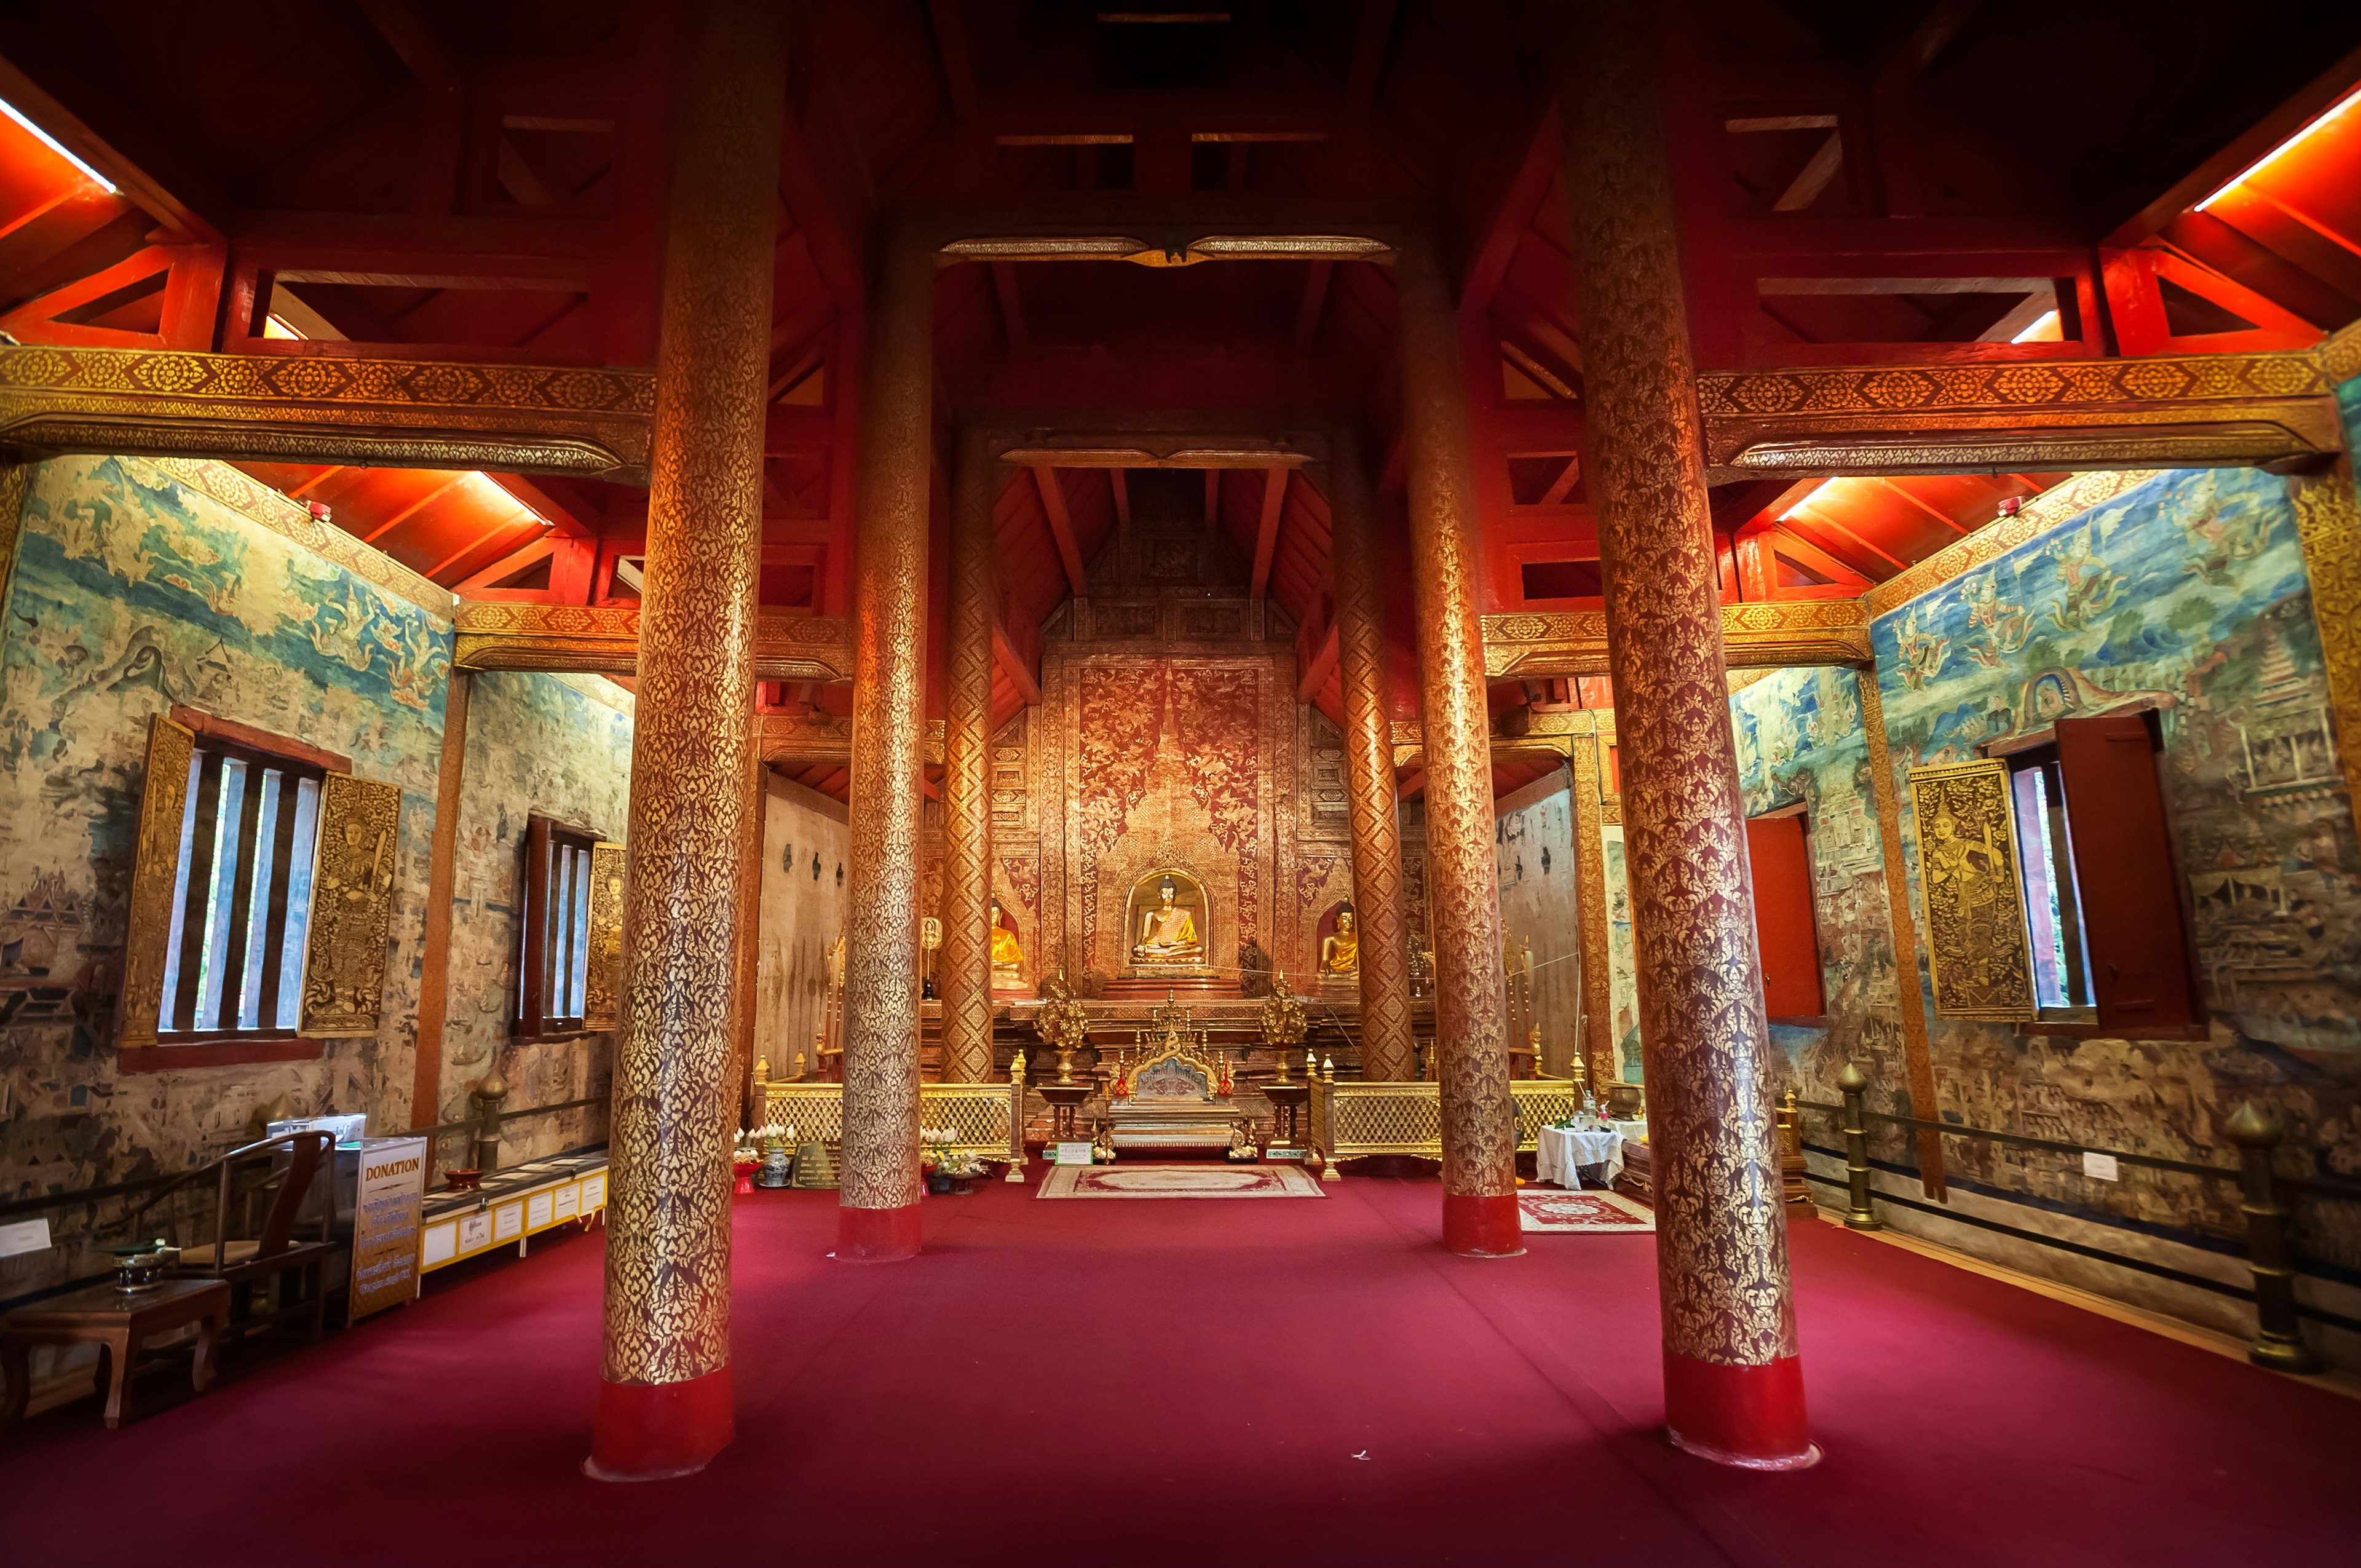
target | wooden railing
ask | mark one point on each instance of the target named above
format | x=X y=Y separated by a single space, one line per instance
x=1350 y=1120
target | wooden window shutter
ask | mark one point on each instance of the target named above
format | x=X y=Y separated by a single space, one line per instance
x=1978 y=951
x=533 y=959
x=1784 y=925
x=602 y=1007
x=2123 y=869
x=155 y=875
x=352 y=906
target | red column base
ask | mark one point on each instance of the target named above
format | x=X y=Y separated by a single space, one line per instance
x=877 y=1235
x=1752 y=1417
x=1476 y=1225
x=647 y=1431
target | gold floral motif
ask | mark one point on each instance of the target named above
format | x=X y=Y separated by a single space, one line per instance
x=592 y=423
x=605 y=640
x=1978 y=953
x=965 y=975
x=1462 y=881
x=1387 y=1049
x=1590 y=857
x=1721 y=1243
x=2019 y=413
x=2328 y=521
x=881 y=991
x=155 y=872
x=602 y=996
x=352 y=905
x=1777 y=634
x=667 y=1300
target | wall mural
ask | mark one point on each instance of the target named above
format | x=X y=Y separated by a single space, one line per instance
x=134 y=591
x=2185 y=593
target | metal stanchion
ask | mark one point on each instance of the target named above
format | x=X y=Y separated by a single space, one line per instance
x=1859 y=1216
x=2278 y=1339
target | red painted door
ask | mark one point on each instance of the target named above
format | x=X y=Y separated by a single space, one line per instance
x=2124 y=871
x=1782 y=916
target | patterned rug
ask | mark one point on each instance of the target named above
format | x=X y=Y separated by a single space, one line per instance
x=1180 y=1181
x=1593 y=1211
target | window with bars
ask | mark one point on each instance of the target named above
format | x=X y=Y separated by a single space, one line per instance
x=554 y=939
x=241 y=905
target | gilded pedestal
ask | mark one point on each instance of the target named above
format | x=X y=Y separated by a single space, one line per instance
x=1479 y=1195
x=965 y=975
x=664 y=1397
x=1386 y=1049
x=1733 y=1387
x=878 y=1212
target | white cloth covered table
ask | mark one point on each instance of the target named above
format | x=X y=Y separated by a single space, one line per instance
x=1561 y=1150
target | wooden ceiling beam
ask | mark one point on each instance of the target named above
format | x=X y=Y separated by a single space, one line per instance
x=1012 y=304
x=1121 y=488
x=1322 y=664
x=414 y=507
x=1315 y=300
x=507 y=565
x=1274 y=500
x=957 y=62
x=1012 y=663
x=1061 y=526
x=1513 y=216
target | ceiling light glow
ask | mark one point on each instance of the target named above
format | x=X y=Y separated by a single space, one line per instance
x=57 y=146
x=2335 y=112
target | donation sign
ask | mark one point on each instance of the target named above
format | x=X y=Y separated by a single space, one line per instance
x=385 y=1225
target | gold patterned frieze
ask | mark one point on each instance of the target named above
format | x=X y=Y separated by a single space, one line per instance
x=1536 y=644
x=1167 y=253
x=605 y=640
x=590 y=423
x=795 y=738
x=2340 y=356
x=2169 y=411
x=1977 y=947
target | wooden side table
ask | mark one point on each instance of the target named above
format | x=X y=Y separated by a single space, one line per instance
x=120 y=1324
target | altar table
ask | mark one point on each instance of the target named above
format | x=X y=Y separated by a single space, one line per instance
x=1559 y=1150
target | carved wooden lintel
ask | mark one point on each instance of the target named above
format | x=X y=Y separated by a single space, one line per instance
x=605 y=640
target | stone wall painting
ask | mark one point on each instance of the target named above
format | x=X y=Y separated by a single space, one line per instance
x=1622 y=961
x=2186 y=595
x=804 y=839
x=1541 y=886
x=559 y=746
x=132 y=592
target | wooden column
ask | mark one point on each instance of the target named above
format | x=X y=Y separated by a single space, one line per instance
x=1917 y=1057
x=1386 y=1049
x=1598 y=1045
x=966 y=973
x=1479 y=1118
x=1733 y=1387
x=434 y=960
x=664 y=1396
x=746 y=978
x=877 y=1216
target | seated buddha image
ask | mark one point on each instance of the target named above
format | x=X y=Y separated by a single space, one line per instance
x=1007 y=952
x=1164 y=928
x=1340 y=950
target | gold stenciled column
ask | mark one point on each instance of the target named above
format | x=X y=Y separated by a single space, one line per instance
x=1597 y=1044
x=1733 y=1387
x=877 y=1214
x=1386 y=1049
x=663 y=1397
x=1479 y=1117
x=967 y=774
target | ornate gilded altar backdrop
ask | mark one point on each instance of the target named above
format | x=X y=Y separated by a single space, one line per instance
x=1168 y=735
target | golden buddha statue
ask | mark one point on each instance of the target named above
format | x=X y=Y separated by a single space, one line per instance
x=1340 y=951
x=1007 y=952
x=1168 y=932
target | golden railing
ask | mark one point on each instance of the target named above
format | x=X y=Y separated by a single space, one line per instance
x=985 y=1119
x=1349 y=1120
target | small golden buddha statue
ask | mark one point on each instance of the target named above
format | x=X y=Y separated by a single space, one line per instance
x=1340 y=951
x=1168 y=933
x=1006 y=953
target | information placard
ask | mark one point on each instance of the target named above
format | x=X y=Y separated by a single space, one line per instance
x=385 y=1225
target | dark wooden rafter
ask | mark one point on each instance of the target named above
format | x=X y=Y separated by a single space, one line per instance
x=1274 y=503
x=1061 y=527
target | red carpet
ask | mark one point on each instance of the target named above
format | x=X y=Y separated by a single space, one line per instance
x=1229 y=1382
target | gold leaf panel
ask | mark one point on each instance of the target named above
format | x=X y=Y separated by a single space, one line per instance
x=155 y=872
x=1976 y=941
x=602 y=1006
x=352 y=906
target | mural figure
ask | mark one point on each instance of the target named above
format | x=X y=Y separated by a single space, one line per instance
x=1922 y=652
x=1163 y=920
x=2090 y=588
x=2000 y=627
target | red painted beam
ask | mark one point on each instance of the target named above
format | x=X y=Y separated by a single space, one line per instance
x=1274 y=500
x=1061 y=527
x=1012 y=663
x=793 y=431
x=1315 y=673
